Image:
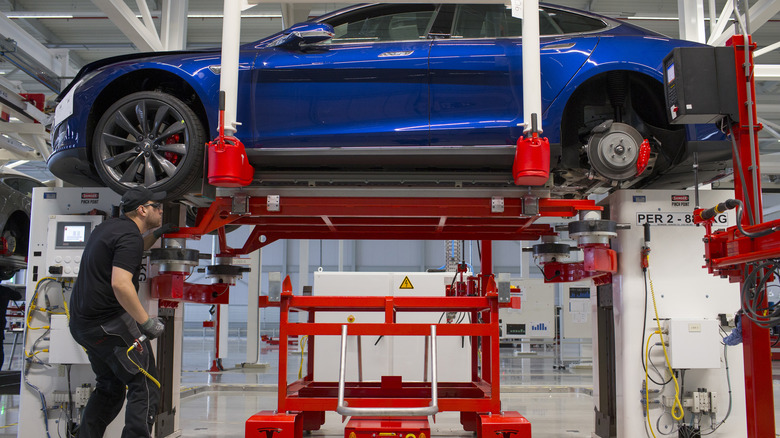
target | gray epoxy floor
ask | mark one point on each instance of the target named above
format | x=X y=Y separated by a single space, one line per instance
x=556 y=401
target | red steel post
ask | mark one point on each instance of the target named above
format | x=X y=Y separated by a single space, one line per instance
x=756 y=351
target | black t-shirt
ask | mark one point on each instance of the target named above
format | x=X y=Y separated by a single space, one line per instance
x=115 y=242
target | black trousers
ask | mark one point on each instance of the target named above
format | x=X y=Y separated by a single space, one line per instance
x=106 y=347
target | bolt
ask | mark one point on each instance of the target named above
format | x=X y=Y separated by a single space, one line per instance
x=620 y=149
x=147 y=154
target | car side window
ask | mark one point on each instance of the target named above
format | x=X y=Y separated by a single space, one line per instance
x=21 y=184
x=387 y=23
x=496 y=21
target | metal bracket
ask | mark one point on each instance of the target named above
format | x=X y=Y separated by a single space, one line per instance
x=504 y=288
x=530 y=205
x=497 y=204
x=240 y=204
x=272 y=203
x=274 y=286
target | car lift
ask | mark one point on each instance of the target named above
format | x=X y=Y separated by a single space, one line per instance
x=389 y=405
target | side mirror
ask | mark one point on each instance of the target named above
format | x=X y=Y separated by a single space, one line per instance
x=303 y=34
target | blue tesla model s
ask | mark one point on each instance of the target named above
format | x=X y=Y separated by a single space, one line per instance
x=391 y=90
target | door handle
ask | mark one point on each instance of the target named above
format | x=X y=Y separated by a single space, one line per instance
x=396 y=54
x=559 y=46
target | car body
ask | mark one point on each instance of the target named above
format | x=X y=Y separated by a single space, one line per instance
x=15 y=201
x=390 y=90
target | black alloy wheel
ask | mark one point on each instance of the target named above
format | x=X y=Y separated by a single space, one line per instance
x=151 y=139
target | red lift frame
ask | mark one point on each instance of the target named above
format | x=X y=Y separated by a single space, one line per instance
x=302 y=404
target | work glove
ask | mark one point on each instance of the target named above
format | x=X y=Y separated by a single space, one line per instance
x=165 y=229
x=153 y=327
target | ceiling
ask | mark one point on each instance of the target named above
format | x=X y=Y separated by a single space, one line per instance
x=90 y=35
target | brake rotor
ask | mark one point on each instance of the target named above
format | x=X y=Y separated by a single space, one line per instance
x=613 y=150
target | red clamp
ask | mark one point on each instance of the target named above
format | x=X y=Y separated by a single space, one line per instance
x=643 y=158
x=228 y=163
x=532 y=161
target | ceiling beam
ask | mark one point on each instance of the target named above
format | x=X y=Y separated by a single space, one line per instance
x=28 y=45
x=767 y=72
x=124 y=18
x=761 y=12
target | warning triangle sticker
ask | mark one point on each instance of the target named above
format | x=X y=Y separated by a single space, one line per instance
x=406 y=284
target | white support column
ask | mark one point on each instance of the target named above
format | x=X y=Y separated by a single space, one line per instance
x=341 y=256
x=173 y=24
x=303 y=263
x=712 y=11
x=691 y=22
x=124 y=18
x=228 y=77
x=293 y=13
x=224 y=329
x=532 y=76
x=254 y=278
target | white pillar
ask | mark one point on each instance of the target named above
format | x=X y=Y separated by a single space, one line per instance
x=532 y=76
x=691 y=14
x=228 y=77
x=254 y=279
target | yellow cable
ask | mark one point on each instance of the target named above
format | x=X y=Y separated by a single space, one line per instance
x=139 y=367
x=9 y=425
x=677 y=405
x=647 y=390
x=302 y=345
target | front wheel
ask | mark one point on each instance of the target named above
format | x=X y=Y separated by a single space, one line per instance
x=149 y=139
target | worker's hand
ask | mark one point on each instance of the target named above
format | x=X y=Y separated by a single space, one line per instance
x=165 y=229
x=153 y=327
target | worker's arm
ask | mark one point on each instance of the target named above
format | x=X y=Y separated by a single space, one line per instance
x=149 y=240
x=124 y=290
x=152 y=237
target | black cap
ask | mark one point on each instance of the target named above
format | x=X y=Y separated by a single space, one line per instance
x=139 y=196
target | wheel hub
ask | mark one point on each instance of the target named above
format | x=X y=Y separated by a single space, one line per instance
x=613 y=150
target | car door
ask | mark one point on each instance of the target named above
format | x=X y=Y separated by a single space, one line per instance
x=476 y=73
x=368 y=86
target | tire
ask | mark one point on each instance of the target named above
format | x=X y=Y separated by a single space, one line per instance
x=151 y=139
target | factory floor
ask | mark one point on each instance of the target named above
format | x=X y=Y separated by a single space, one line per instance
x=557 y=402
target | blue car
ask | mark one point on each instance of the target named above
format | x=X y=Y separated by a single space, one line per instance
x=430 y=93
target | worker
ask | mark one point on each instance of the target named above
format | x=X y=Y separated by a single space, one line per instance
x=107 y=317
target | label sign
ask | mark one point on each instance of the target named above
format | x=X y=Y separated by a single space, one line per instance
x=673 y=218
x=406 y=284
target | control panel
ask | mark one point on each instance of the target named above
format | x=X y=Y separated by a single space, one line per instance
x=67 y=237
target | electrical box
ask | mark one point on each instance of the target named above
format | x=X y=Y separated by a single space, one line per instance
x=700 y=85
x=693 y=343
